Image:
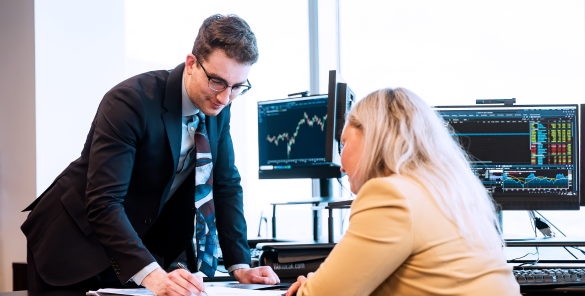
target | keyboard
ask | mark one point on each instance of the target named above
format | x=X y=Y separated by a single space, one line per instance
x=550 y=275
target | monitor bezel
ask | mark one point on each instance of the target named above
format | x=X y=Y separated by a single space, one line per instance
x=332 y=145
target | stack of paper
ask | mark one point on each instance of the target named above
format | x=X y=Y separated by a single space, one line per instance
x=211 y=291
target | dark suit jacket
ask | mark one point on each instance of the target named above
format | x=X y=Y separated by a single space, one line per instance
x=108 y=204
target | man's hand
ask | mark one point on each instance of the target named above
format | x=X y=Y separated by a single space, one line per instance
x=259 y=275
x=177 y=283
x=300 y=281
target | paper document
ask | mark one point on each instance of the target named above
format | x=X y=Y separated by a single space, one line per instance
x=108 y=292
x=211 y=291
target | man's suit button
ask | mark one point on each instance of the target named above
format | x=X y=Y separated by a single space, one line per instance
x=147 y=221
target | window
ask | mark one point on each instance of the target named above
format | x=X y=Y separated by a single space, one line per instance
x=454 y=52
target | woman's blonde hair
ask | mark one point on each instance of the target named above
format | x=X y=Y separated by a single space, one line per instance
x=404 y=136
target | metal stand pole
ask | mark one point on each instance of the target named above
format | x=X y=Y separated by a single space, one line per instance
x=325 y=191
x=273 y=221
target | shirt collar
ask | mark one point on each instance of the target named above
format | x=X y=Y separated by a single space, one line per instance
x=188 y=108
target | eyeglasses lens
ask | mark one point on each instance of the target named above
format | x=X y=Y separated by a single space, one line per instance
x=219 y=85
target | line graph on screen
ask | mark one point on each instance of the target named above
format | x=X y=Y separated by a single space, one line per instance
x=291 y=138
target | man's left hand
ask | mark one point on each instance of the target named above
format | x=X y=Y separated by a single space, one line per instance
x=259 y=275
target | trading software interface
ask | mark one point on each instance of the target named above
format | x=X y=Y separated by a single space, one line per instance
x=522 y=150
x=292 y=132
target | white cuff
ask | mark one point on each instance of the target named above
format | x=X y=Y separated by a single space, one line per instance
x=237 y=266
x=139 y=276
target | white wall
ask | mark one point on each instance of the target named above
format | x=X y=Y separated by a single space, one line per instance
x=17 y=130
x=79 y=57
x=456 y=51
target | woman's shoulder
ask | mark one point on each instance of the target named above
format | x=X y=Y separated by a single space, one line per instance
x=395 y=183
x=386 y=191
x=393 y=189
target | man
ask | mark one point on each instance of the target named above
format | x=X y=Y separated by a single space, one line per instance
x=155 y=180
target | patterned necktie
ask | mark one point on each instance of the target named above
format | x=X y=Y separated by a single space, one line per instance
x=206 y=232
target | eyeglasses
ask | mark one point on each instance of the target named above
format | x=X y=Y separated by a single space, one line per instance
x=218 y=84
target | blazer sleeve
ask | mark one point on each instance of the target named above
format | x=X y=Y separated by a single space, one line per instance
x=120 y=124
x=228 y=200
x=379 y=239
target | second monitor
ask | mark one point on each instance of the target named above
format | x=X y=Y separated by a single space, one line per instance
x=299 y=137
x=292 y=139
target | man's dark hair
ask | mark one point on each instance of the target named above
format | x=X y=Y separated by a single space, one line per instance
x=229 y=33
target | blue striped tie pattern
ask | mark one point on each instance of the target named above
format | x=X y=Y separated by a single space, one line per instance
x=206 y=231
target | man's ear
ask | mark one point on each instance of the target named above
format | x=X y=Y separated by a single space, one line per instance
x=190 y=64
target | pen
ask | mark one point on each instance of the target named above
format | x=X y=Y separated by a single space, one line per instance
x=181 y=266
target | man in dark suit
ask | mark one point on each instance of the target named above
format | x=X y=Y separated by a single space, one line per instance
x=125 y=210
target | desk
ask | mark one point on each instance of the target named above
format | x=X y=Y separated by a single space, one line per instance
x=547 y=242
x=573 y=290
x=82 y=293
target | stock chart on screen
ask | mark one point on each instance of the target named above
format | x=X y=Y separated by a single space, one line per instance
x=292 y=132
x=521 y=152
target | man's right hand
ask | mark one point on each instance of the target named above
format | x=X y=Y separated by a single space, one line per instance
x=177 y=283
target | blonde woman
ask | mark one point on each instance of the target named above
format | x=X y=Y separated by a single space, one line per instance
x=422 y=223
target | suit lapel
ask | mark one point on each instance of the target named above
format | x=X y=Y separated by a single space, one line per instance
x=172 y=117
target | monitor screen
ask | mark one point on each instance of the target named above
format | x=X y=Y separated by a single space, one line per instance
x=292 y=139
x=526 y=156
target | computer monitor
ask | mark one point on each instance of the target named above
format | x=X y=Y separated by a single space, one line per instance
x=299 y=137
x=525 y=155
x=340 y=100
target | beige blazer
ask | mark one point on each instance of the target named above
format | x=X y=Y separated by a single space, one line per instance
x=400 y=243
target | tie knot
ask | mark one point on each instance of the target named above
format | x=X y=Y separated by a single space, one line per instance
x=199 y=120
x=201 y=115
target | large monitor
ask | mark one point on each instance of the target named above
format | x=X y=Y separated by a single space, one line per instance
x=299 y=137
x=525 y=155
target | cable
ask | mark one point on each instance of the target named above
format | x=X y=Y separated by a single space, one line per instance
x=531 y=215
x=537 y=253
x=344 y=212
x=570 y=253
x=531 y=263
x=351 y=195
x=577 y=248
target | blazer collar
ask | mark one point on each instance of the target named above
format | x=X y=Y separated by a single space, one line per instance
x=172 y=118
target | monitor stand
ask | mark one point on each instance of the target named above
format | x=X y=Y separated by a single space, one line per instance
x=322 y=195
x=326 y=193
